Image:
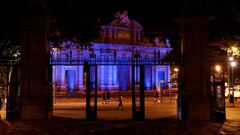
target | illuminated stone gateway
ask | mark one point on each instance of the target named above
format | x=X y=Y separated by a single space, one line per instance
x=119 y=46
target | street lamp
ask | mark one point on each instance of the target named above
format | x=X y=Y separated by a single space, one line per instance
x=175 y=76
x=176 y=69
x=218 y=68
x=231 y=60
x=232 y=51
x=233 y=64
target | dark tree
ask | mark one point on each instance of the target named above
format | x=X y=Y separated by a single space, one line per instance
x=10 y=45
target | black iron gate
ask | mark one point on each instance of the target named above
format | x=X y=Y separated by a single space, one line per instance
x=91 y=84
x=217 y=96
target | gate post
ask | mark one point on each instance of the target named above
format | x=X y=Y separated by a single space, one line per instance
x=133 y=94
x=91 y=112
x=87 y=88
x=138 y=111
x=142 y=87
x=35 y=68
x=194 y=98
x=95 y=92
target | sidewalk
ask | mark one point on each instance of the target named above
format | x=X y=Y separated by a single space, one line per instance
x=161 y=126
x=232 y=124
x=230 y=127
x=60 y=126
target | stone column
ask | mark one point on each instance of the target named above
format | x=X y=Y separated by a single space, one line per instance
x=194 y=31
x=80 y=75
x=110 y=75
x=35 y=69
x=63 y=78
x=168 y=78
x=115 y=74
x=102 y=74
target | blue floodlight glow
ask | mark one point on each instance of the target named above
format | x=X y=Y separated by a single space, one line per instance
x=71 y=80
x=112 y=53
x=111 y=77
x=161 y=78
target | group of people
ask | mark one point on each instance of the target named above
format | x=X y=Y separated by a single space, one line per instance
x=106 y=99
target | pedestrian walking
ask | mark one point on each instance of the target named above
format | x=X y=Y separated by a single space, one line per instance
x=104 y=101
x=108 y=96
x=156 y=96
x=119 y=100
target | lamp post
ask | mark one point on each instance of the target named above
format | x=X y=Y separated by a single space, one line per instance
x=232 y=51
x=230 y=59
x=233 y=64
x=176 y=74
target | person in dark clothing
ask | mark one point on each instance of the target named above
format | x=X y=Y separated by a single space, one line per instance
x=108 y=96
x=104 y=98
x=119 y=100
x=156 y=96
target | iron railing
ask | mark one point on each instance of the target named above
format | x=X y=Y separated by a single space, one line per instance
x=110 y=61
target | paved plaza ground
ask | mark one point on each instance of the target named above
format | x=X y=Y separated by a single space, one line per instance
x=75 y=108
x=160 y=120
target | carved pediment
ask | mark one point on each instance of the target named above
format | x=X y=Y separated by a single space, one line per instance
x=121 y=30
x=132 y=24
x=122 y=20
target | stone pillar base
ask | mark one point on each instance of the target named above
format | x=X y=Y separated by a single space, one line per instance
x=35 y=108
x=199 y=108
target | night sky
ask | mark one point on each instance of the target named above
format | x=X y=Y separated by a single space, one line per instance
x=82 y=16
x=150 y=12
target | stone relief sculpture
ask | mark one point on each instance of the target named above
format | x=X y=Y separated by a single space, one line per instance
x=122 y=17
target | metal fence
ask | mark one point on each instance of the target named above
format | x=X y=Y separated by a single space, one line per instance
x=110 y=61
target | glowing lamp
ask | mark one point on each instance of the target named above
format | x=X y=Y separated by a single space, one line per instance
x=234 y=49
x=233 y=63
x=218 y=68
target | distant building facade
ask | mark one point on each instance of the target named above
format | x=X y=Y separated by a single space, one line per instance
x=120 y=42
